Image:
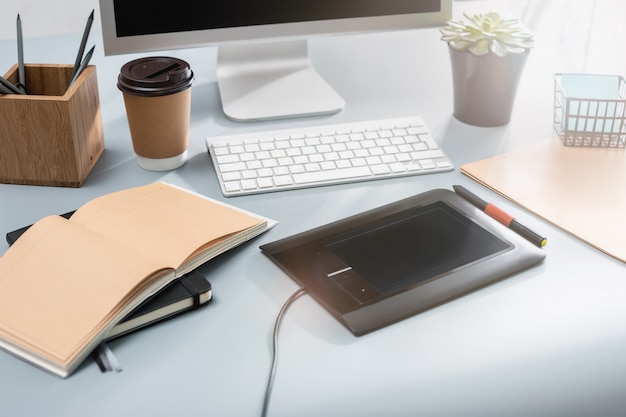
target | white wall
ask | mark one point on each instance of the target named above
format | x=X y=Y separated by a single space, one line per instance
x=47 y=17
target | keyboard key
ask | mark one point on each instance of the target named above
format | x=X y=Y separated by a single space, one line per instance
x=237 y=166
x=380 y=169
x=318 y=176
x=283 y=180
x=232 y=186
x=231 y=176
x=248 y=185
x=265 y=182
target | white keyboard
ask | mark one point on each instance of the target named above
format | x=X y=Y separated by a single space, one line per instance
x=324 y=155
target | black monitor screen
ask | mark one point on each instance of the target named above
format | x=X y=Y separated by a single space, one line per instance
x=145 y=17
x=404 y=249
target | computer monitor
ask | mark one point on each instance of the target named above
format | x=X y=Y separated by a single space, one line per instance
x=263 y=70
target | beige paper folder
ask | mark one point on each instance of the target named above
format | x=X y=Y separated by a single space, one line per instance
x=581 y=190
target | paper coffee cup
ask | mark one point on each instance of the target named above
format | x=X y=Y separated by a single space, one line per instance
x=157 y=97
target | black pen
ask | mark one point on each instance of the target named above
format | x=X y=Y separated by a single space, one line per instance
x=21 y=77
x=501 y=216
x=81 y=48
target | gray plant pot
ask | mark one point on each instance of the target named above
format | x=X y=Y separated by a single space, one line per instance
x=485 y=86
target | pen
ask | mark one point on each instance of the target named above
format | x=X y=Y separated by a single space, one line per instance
x=81 y=49
x=82 y=66
x=501 y=216
x=21 y=78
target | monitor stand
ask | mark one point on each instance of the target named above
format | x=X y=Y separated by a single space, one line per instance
x=263 y=81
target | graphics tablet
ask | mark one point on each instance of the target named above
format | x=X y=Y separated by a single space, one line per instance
x=381 y=266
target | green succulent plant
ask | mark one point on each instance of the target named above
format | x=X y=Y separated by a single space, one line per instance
x=484 y=33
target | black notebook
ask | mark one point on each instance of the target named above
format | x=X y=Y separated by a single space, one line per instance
x=186 y=293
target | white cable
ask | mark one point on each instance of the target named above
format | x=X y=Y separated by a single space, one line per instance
x=270 y=380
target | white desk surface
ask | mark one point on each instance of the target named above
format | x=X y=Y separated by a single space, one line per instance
x=547 y=342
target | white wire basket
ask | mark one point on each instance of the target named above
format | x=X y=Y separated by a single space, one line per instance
x=590 y=110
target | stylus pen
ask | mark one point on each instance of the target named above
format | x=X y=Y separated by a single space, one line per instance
x=501 y=216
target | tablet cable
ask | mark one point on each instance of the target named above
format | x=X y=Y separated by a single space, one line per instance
x=270 y=380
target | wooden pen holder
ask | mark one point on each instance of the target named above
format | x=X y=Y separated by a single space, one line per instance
x=52 y=136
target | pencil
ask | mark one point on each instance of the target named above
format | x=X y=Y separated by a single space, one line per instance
x=7 y=84
x=81 y=48
x=4 y=90
x=82 y=66
x=21 y=77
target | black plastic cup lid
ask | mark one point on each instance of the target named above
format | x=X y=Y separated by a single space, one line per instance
x=155 y=76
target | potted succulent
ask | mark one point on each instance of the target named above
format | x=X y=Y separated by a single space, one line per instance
x=488 y=54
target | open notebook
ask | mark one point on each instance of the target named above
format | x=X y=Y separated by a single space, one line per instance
x=65 y=283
